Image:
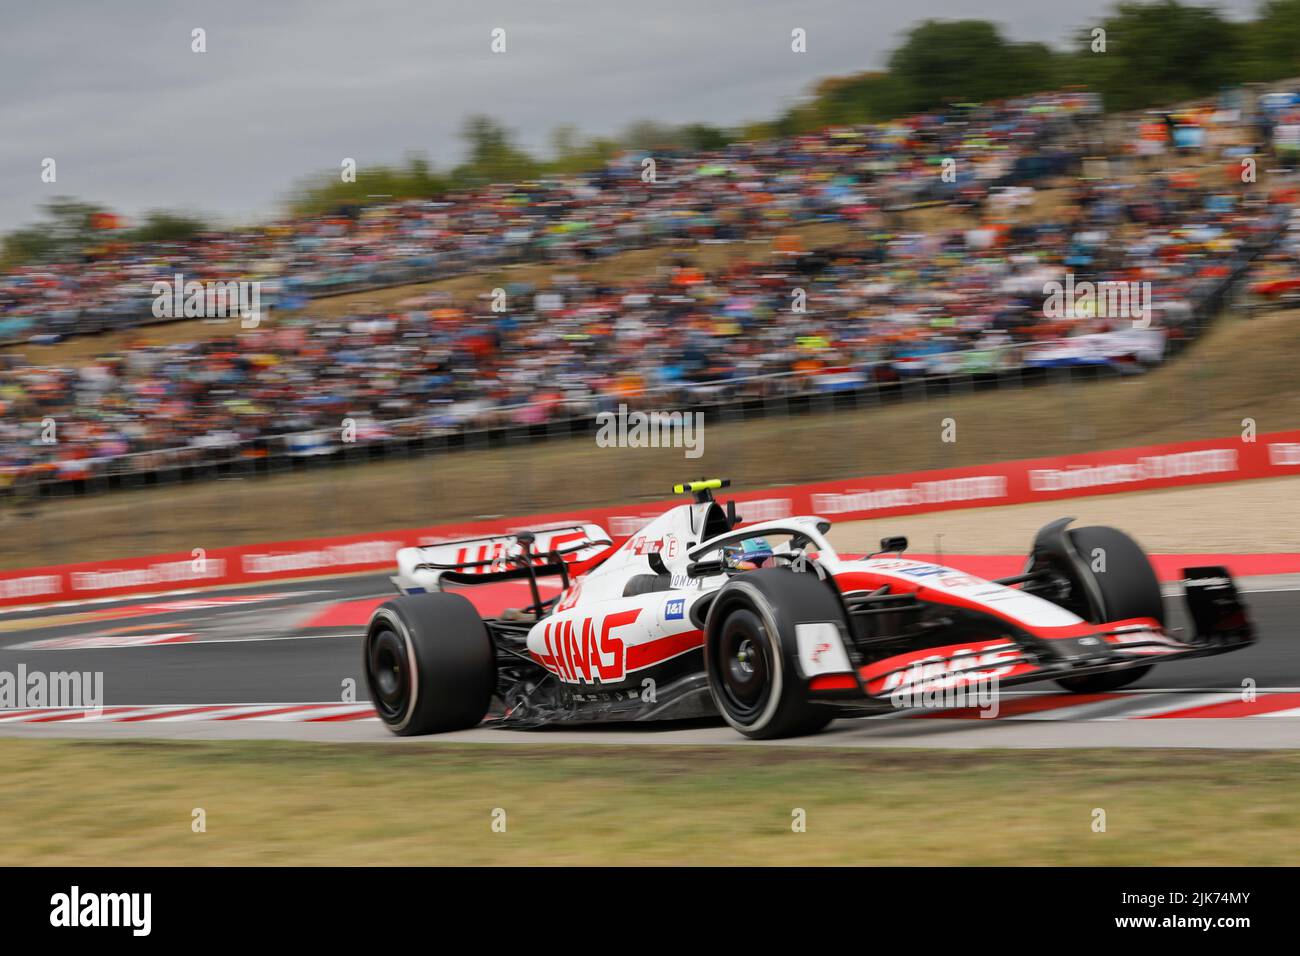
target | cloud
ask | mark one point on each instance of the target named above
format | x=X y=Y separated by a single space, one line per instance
x=136 y=121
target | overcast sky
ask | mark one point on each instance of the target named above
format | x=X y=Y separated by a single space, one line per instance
x=136 y=121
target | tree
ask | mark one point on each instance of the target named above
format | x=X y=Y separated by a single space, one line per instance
x=163 y=226
x=65 y=233
x=571 y=155
x=493 y=156
x=326 y=193
x=1271 y=44
x=703 y=138
x=858 y=98
x=564 y=142
x=1161 y=54
x=963 y=60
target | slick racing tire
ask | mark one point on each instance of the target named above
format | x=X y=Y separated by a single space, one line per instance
x=429 y=664
x=1128 y=588
x=751 y=651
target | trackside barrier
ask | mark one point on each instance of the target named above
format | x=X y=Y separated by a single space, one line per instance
x=1209 y=461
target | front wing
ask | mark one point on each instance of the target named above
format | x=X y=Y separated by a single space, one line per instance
x=1219 y=623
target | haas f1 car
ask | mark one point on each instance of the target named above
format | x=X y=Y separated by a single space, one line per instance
x=764 y=624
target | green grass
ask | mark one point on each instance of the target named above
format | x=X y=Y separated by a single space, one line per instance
x=118 y=803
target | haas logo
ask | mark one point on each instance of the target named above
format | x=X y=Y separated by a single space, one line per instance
x=960 y=668
x=582 y=651
x=499 y=553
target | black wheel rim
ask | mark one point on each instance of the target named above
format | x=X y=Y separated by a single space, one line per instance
x=390 y=682
x=745 y=668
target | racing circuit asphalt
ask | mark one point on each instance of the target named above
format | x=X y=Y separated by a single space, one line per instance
x=284 y=643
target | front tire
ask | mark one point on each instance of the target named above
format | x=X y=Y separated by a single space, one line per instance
x=429 y=664
x=750 y=652
x=1127 y=588
x=1101 y=683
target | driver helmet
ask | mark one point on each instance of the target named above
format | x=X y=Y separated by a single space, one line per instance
x=750 y=554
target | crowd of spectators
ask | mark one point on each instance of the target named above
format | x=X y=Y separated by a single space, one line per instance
x=1275 y=279
x=746 y=190
x=886 y=305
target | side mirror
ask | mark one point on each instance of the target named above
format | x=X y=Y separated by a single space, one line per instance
x=894 y=545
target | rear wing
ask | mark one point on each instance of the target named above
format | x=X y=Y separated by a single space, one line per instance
x=527 y=554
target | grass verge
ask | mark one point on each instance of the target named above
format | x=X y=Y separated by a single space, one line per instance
x=119 y=803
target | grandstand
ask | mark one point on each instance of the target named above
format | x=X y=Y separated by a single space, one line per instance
x=870 y=316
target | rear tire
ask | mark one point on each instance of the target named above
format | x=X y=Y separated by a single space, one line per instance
x=1128 y=588
x=750 y=652
x=429 y=664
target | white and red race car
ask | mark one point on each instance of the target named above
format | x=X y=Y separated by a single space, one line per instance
x=764 y=624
